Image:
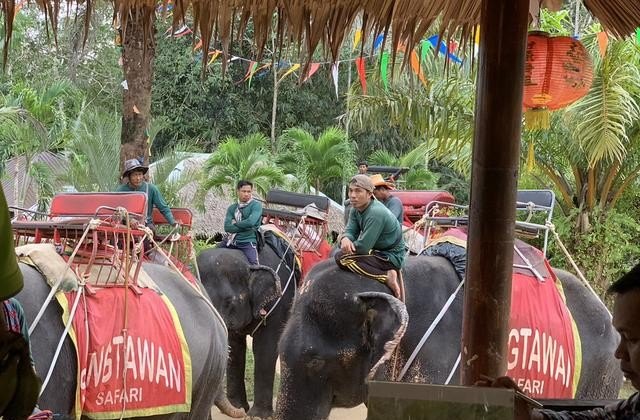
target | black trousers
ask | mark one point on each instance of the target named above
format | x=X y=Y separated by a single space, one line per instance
x=373 y=265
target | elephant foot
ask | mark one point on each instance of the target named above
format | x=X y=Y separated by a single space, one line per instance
x=257 y=413
x=228 y=409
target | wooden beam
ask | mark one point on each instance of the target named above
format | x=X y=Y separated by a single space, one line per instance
x=496 y=156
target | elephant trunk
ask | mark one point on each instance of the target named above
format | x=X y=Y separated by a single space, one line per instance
x=226 y=408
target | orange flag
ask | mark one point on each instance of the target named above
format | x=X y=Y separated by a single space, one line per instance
x=313 y=68
x=603 y=43
x=417 y=69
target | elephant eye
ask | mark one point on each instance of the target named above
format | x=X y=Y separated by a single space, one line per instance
x=316 y=365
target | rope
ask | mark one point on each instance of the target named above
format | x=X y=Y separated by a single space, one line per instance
x=149 y=234
x=430 y=330
x=453 y=370
x=93 y=223
x=552 y=228
x=263 y=320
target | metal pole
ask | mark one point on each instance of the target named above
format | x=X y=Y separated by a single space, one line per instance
x=496 y=156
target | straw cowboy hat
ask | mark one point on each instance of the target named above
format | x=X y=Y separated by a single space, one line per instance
x=378 y=181
x=132 y=164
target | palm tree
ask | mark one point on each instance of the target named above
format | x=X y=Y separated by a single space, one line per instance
x=419 y=177
x=440 y=112
x=35 y=122
x=235 y=159
x=95 y=140
x=317 y=162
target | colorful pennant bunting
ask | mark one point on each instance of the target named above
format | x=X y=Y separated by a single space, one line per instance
x=291 y=70
x=417 y=67
x=378 y=42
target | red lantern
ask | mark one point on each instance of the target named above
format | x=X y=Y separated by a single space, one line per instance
x=558 y=72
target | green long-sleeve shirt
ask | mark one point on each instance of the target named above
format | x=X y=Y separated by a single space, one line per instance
x=376 y=229
x=245 y=228
x=154 y=198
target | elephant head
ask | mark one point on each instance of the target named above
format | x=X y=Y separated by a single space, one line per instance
x=241 y=292
x=321 y=355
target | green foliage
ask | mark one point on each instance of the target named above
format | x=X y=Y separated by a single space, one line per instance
x=615 y=238
x=248 y=158
x=316 y=162
x=419 y=177
x=93 y=149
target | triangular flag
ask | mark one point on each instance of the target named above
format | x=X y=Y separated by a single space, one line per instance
x=603 y=43
x=252 y=69
x=291 y=70
x=384 y=63
x=425 y=46
x=378 y=42
x=313 y=68
x=638 y=35
x=416 y=67
x=334 y=76
x=198 y=45
x=214 y=55
x=361 y=74
x=357 y=37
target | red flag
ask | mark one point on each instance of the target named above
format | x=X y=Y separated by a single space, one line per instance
x=361 y=74
x=313 y=68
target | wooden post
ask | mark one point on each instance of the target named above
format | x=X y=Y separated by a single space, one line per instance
x=496 y=155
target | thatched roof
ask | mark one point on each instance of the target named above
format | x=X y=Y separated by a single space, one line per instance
x=311 y=22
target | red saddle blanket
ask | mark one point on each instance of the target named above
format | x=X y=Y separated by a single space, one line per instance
x=544 y=350
x=133 y=358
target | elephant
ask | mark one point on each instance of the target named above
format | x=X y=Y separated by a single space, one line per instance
x=343 y=327
x=205 y=334
x=244 y=294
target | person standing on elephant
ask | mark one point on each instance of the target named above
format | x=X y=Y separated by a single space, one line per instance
x=382 y=192
x=242 y=221
x=19 y=384
x=372 y=243
x=626 y=312
x=134 y=172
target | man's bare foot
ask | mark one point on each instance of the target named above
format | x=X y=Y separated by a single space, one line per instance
x=392 y=283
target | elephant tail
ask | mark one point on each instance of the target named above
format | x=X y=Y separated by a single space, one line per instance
x=228 y=409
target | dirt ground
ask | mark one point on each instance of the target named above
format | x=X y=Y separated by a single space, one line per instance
x=356 y=413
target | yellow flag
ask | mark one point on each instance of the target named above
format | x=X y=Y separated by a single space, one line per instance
x=357 y=37
x=291 y=70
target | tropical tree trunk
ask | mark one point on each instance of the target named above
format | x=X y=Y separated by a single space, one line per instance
x=138 y=54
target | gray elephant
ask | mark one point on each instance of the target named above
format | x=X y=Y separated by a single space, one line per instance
x=244 y=294
x=342 y=326
x=204 y=333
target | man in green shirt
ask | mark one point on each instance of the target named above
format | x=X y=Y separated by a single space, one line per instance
x=134 y=172
x=19 y=384
x=372 y=243
x=242 y=221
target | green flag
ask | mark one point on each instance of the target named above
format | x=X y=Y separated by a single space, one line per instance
x=384 y=64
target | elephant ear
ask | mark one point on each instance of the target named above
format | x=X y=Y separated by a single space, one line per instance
x=264 y=286
x=386 y=322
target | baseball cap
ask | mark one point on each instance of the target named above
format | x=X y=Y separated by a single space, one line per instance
x=362 y=181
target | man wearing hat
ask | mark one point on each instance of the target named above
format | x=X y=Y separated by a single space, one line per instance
x=134 y=171
x=372 y=243
x=382 y=191
x=19 y=384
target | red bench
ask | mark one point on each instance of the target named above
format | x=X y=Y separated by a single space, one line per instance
x=416 y=203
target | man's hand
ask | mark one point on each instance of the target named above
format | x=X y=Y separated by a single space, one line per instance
x=347 y=246
x=523 y=410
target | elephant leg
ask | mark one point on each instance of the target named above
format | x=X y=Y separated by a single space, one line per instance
x=236 y=390
x=265 y=353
